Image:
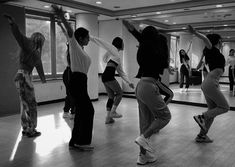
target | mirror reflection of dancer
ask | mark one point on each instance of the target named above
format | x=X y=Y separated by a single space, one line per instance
x=69 y=107
x=153 y=58
x=80 y=63
x=184 y=70
x=114 y=91
x=231 y=69
x=216 y=102
x=30 y=57
x=202 y=65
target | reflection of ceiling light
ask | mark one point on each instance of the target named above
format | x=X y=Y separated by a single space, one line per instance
x=219 y=6
x=158 y=12
x=166 y=21
x=183 y=28
x=46 y=6
x=134 y=16
x=174 y=23
x=98 y=2
x=69 y=11
x=225 y=25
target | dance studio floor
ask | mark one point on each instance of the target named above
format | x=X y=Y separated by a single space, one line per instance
x=195 y=96
x=114 y=144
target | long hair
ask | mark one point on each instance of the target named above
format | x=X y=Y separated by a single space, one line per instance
x=38 y=40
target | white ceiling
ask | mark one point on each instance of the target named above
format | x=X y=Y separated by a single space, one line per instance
x=175 y=14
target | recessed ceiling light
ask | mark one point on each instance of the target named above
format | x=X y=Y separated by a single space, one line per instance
x=225 y=25
x=133 y=15
x=46 y=6
x=183 y=28
x=166 y=21
x=158 y=12
x=174 y=23
x=219 y=6
x=228 y=37
x=98 y=2
x=69 y=11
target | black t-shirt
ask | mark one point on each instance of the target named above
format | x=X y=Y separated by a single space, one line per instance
x=214 y=58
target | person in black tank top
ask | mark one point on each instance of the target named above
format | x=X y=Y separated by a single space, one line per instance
x=216 y=102
x=112 y=86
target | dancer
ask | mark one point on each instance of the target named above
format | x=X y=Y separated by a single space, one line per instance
x=231 y=69
x=184 y=69
x=216 y=102
x=29 y=57
x=153 y=58
x=114 y=91
x=80 y=62
x=69 y=107
x=163 y=89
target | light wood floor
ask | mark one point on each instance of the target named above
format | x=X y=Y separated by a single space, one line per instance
x=114 y=144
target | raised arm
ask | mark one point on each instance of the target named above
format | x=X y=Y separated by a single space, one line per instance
x=21 y=39
x=60 y=13
x=62 y=28
x=201 y=36
x=130 y=27
x=105 y=45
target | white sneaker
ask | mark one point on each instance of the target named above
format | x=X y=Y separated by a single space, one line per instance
x=115 y=115
x=145 y=143
x=147 y=158
x=66 y=115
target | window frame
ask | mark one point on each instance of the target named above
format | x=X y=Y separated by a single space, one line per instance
x=32 y=14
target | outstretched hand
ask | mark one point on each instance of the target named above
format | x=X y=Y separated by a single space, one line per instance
x=191 y=29
x=131 y=85
x=57 y=10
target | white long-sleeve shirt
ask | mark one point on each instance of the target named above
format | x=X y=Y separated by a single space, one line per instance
x=112 y=53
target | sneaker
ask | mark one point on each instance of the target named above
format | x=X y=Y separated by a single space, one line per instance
x=145 y=159
x=115 y=115
x=33 y=134
x=109 y=120
x=66 y=115
x=203 y=139
x=143 y=142
x=201 y=122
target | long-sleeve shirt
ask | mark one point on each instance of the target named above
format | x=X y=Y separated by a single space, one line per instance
x=112 y=54
x=80 y=61
x=29 y=57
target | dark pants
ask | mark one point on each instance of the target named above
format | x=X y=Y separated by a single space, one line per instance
x=83 y=121
x=69 y=103
x=230 y=76
x=184 y=73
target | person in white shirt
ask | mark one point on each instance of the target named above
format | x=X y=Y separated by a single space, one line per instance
x=114 y=91
x=231 y=62
x=80 y=63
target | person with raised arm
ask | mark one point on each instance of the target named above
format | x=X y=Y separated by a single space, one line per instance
x=80 y=63
x=153 y=58
x=29 y=57
x=114 y=91
x=216 y=102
